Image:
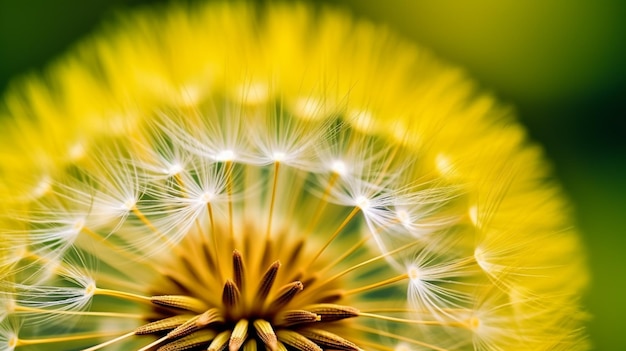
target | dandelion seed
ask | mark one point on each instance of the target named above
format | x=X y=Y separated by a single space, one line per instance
x=8 y=336
x=338 y=167
x=256 y=188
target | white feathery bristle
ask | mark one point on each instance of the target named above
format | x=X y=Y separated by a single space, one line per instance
x=427 y=272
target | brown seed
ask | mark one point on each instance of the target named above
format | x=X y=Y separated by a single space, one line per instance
x=296 y=340
x=162 y=324
x=266 y=333
x=331 y=312
x=230 y=295
x=181 y=302
x=285 y=295
x=188 y=342
x=292 y=317
x=266 y=283
x=328 y=340
x=239 y=335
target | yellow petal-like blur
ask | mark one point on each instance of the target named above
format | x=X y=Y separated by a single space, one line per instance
x=277 y=177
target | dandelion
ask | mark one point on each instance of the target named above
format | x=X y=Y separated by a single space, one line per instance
x=235 y=177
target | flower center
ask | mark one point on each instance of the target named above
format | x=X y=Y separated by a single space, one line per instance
x=246 y=300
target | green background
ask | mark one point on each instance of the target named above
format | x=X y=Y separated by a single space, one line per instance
x=561 y=63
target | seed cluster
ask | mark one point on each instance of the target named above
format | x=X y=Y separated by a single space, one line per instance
x=258 y=317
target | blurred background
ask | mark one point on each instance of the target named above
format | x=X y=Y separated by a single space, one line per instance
x=560 y=63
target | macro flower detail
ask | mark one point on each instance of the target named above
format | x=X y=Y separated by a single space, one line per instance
x=279 y=177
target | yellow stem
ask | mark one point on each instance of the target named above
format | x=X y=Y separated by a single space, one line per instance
x=181 y=184
x=344 y=256
x=371 y=260
x=412 y=310
x=19 y=308
x=215 y=245
x=397 y=337
x=122 y=295
x=229 y=190
x=377 y=285
x=413 y=321
x=334 y=235
x=154 y=343
x=112 y=341
x=321 y=204
x=75 y=337
x=272 y=201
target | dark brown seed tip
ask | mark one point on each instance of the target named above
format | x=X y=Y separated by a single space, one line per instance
x=230 y=295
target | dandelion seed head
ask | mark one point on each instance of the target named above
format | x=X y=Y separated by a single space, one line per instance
x=90 y=289
x=278 y=156
x=77 y=226
x=275 y=177
x=206 y=197
x=225 y=155
x=174 y=169
x=11 y=341
x=339 y=167
x=414 y=274
x=404 y=218
x=129 y=204
x=474 y=323
x=362 y=202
